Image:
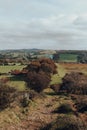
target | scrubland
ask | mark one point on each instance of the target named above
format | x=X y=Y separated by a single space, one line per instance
x=48 y=110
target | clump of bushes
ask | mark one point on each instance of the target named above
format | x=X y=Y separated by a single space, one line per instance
x=7 y=95
x=44 y=64
x=39 y=74
x=66 y=122
x=75 y=83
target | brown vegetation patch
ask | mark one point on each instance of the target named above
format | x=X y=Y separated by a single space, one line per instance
x=75 y=83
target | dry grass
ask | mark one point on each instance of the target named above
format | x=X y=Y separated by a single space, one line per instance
x=74 y=67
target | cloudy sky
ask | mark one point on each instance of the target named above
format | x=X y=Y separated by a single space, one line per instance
x=46 y=24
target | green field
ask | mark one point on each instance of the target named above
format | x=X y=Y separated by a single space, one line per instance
x=8 y=68
x=68 y=58
x=19 y=84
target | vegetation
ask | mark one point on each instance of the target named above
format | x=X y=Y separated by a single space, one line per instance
x=65 y=122
x=39 y=74
x=81 y=103
x=7 y=95
x=75 y=83
x=82 y=58
x=67 y=58
x=26 y=107
x=37 y=81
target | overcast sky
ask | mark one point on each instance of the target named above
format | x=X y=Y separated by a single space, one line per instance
x=46 y=24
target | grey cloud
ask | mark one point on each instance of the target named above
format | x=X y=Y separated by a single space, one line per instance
x=52 y=32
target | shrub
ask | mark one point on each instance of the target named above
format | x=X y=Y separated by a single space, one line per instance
x=39 y=74
x=7 y=95
x=45 y=65
x=75 y=83
x=48 y=65
x=38 y=81
x=33 y=66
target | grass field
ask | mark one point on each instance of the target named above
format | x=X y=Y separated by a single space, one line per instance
x=68 y=58
x=20 y=85
x=7 y=68
x=74 y=67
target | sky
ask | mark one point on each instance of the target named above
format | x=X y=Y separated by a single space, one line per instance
x=43 y=24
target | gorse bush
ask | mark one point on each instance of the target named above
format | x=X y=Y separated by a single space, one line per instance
x=75 y=83
x=38 y=81
x=46 y=65
x=39 y=74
